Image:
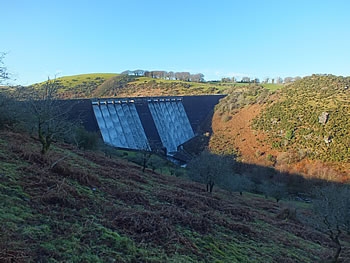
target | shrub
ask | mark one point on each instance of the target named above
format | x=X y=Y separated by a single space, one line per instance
x=238 y=183
x=226 y=118
x=277 y=190
x=271 y=158
x=9 y=110
x=288 y=213
x=289 y=135
x=211 y=169
x=86 y=140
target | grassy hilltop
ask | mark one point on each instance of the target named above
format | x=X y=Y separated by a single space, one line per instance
x=79 y=86
x=120 y=85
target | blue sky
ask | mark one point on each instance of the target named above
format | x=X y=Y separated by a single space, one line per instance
x=221 y=38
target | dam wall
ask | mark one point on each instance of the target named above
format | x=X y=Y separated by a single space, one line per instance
x=149 y=123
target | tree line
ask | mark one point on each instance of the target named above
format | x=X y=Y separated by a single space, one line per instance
x=277 y=80
x=199 y=77
x=168 y=75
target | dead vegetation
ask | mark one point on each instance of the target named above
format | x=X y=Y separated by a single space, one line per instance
x=89 y=208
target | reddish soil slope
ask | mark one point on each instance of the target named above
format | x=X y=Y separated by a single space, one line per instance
x=236 y=133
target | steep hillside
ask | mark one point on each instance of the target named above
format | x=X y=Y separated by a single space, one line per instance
x=312 y=115
x=302 y=128
x=74 y=206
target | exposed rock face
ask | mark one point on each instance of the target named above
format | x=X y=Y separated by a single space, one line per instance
x=323 y=118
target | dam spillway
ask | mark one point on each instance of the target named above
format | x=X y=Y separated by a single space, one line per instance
x=171 y=122
x=120 y=124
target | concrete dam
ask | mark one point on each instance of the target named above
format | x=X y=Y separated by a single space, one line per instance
x=148 y=123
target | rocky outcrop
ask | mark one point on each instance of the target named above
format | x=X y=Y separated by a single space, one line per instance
x=323 y=118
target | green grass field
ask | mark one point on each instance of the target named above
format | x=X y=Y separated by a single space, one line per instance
x=80 y=79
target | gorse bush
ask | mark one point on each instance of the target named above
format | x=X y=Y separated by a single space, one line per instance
x=293 y=121
x=240 y=96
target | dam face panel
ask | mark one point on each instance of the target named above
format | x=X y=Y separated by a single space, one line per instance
x=171 y=122
x=120 y=124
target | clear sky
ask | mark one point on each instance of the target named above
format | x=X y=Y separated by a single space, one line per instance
x=219 y=38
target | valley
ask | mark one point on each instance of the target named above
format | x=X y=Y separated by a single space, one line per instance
x=83 y=200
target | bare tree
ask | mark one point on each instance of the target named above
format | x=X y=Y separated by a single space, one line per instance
x=8 y=106
x=146 y=156
x=139 y=72
x=199 y=77
x=225 y=80
x=332 y=207
x=177 y=76
x=211 y=169
x=48 y=117
x=148 y=74
x=279 y=80
x=275 y=189
x=158 y=74
x=170 y=75
x=238 y=183
x=185 y=76
x=4 y=75
x=288 y=79
x=126 y=72
x=245 y=79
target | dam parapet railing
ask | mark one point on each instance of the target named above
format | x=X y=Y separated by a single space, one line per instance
x=136 y=100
